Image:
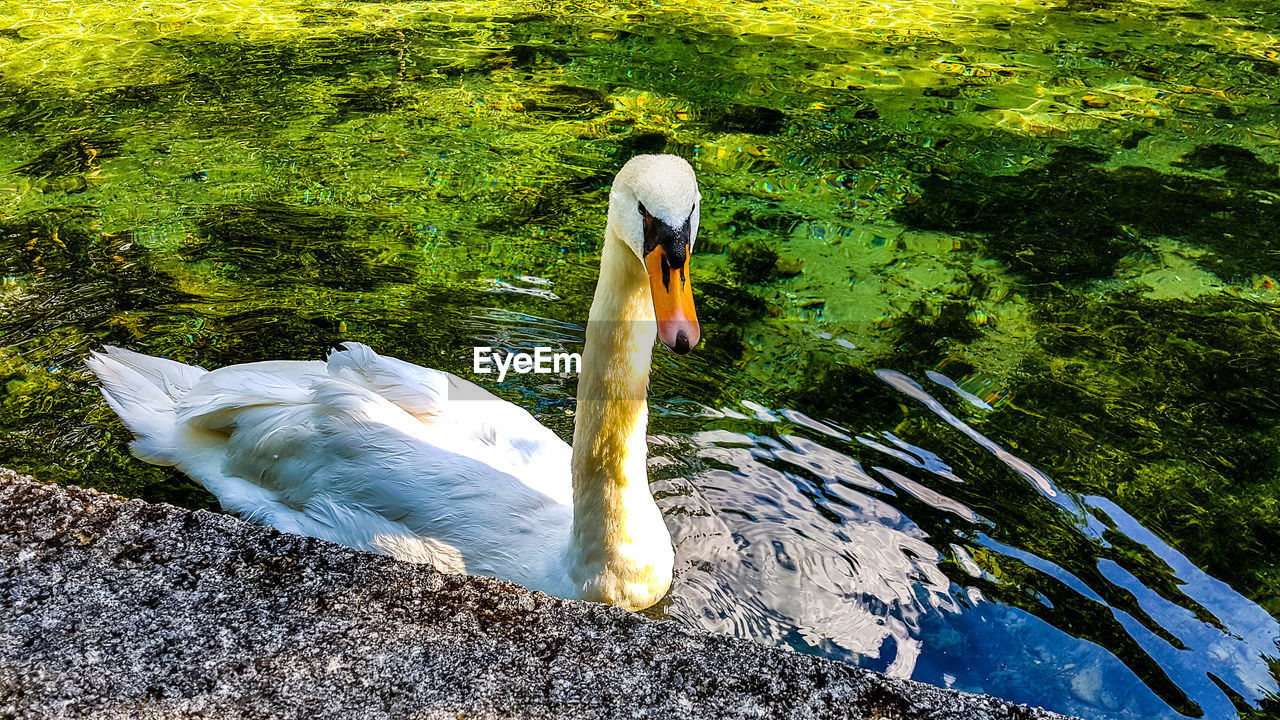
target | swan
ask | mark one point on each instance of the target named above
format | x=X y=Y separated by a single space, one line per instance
x=385 y=456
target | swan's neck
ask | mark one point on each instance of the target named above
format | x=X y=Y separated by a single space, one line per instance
x=620 y=549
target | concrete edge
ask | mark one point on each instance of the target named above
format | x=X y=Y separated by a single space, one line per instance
x=114 y=608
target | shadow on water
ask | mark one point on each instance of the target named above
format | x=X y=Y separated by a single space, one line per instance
x=273 y=243
x=1070 y=220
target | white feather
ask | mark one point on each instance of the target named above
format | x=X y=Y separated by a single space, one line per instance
x=364 y=450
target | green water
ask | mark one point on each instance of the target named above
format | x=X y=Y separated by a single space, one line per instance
x=1069 y=210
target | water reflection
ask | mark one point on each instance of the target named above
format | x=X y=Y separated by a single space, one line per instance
x=783 y=535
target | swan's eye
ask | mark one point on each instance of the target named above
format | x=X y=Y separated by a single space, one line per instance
x=640 y=207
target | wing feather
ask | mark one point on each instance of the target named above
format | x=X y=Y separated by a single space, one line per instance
x=375 y=453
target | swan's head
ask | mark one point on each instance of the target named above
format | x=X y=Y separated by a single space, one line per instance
x=654 y=206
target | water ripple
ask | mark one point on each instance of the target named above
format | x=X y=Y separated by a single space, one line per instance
x=783 y=536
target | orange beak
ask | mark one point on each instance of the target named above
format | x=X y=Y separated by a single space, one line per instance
x=672 y=301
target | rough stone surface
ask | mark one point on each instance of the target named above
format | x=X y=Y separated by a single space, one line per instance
x=122 y=609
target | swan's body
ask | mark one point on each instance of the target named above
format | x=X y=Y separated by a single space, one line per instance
x=383 y=455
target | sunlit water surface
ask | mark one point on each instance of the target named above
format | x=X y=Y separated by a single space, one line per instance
x=987 y=396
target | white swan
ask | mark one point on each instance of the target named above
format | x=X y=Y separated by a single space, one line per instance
x=382 y=455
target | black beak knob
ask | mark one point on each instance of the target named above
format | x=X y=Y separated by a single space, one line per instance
x=682 y=343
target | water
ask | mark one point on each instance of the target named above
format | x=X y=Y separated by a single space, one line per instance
x=987 y=393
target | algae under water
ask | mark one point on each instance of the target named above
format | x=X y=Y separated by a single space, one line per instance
x=988 y=392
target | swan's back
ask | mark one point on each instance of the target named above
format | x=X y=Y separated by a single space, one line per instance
x=364 y=450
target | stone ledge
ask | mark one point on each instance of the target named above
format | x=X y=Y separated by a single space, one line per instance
x=123 y=609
